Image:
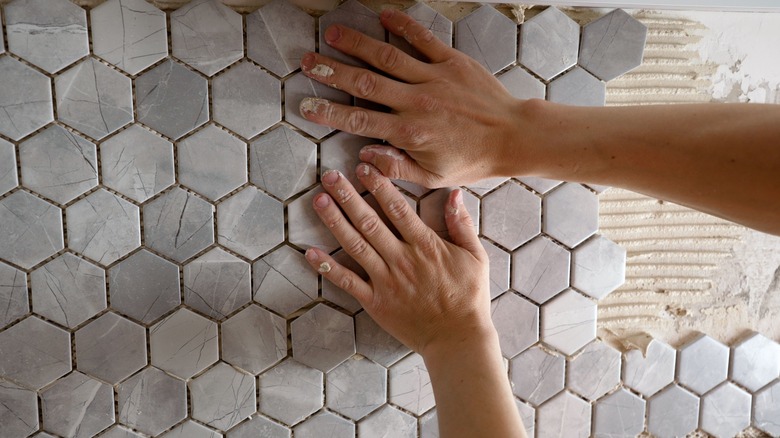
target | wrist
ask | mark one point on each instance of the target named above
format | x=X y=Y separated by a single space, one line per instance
x=476 y=337
x=522 y=149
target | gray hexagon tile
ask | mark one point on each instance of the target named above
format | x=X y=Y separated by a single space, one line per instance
x=246 y=99
x=438 y=24
x=298 y=87
x=429 y=425
x=517 y=323
x=511 y=215
x=568 y=322
x=25 y=98
x=259 y=426
x=2 y=39
x=356 y=16
x=594 y=372
x=767 y=409
x=222 y=397
x=549 y=43
x=612 y=45
x=68 y=290
x=598 y=267
x=385 y=419
x=144 y=286
x=290 y=392
x=305 y=229
x=8 y=176
x=703 y=364
x=571 y=214
x=212 y=162
x=184 y=344
x=486 y=185
x=540 y=185
x=278 y=35
x=18 y=409
x=120 y=432
x=250 y=223
x=283 y=281
x=207 y=35
x=540 y=269
x=141 y=40
x=375 y=343
x=672 y=412
x=489 y=37
x=283 y=162
x=30 y=229
x=171 y=99
x=755 y=361
x=47 y=33
x=77 y=406
x=725 y=411
x=522 y=85
x=254 y=339
x=432 y=209
x=151 y=401
x=13 y=294
x=191 y=429
x=356 y=388
x=528 y=416
x=577 y=87
x=35 y=353
x=499 y=268
x=323 y=337
x=58 y=164
x=536 y=375
x=563 y=415
x=110 y=348
x=410 y=385
x=648 y=373
x=622 y=405
x=178 y=224
x=325 y=424
x=335 y=294
x=217 y=284
x=340 y=152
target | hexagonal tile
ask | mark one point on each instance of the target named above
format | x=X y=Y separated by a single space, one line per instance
x=336 y=426
x=517 y=323
x=137 y=163
x=703 y=364
x=322 y=338
x=375 y=343
x=598 y=267
x=103 y=227
x=522 y=85
x=178 y=224
x=536 y=375
x=432 y=209
x=212 y=171
x=484 y=186
x=298 y=87
x=254 y=339
x=58 y=164
x=110 y=348
x=622 y=405
x=340 y=152
x=25 y=96
x=222 y=397
x=68 y=290
x=673 y=412
x=568 y=322
x=290 y=391
x=388 y=418
x=142 y=41
x=564 y=415
x=217 y=284
x=48 y=33
x=77 y=405
x=528 y=417
x=13 y=294
x=549 y=43
x=725 y=411
x=250 y=223
x=18 y=409
x=489 y=37
x=540 y=269
x=438 y=24
x=144 y=286
x=767 y=410
x=184 y=344
x=8 y=177
x=93 y=98
x=582 y=377
x=284 y=281
x=612 y=45
x=35 y=353
x=2 y=39
x=335 y=294
x=171 y=99
x=278 y=35
x=650 y=372
x=353 y=15
x=755 y=362
x=283 y=162
x=259 y=426
x=540 y=185
x=499 y=268
x=429 y=424
x=511 y=215
x=357 y=387
x=191 y=429
x=577 y=87
x=305 y=229
x=207 y=35
x=410 y=385
x=571 y=214
x=246 y=99
x=120 y=432
x=30 y=229
x=151 y=401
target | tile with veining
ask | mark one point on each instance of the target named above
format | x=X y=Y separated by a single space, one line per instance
x=137 y=163
x=254 y=339
x=283 y=162
x=612 y=45
x=486 y=185
x=439 y=25
x=18 y=409
x=284 y=281
x=410 y=385
x=35 y=353
x=594 y=372
x=151 y=401
x=58 y=164
x=429 y=425
x=298 y=87
x=250 y=223
x=129 y=34
x=598 y=267
x=563 y=416
x=375 y=343
x=489 y=37
x=322 y=338
x=340 y=152
x=246 y=99
x=767 y=409
x=725 y=411
x=432 y=210
x=25 y=99
x=568 y=322
x=110 y=348
x=30 y=229
x=650 y=372
x=755 y=362
x=217 y=284
x=278 y=35
x=356 y=16
x=618 y=415
x=14 y=300
x=305 y=229
x=212 y=162
x=207 y=35
x=511 y=215
x=522 y=85
x=120 y=432
x=549 y=43
x=672 y=412
x=517 y=323
x=184 y=343
x=536 y=375
x=577 y=87
x=539 y=185
x=325 y=424
x=703 y=364
x=540 y=269
x=571 y=214
x=48 y=33
x=93 y=98
x=259 y=426
x=68 y=290
x=191 y=429
x=528 y=416
x=290 y=392
x=144 y=286
x=222 y=397
x=357 y=387
x=388 y=418
x=171 y=99
x=335 y=294
x=8 y=177
x=178 y=224
x=77 y=406
x=499 y=268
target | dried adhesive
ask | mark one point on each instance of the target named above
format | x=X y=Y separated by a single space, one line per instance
x=324 y=268
x=322 y=70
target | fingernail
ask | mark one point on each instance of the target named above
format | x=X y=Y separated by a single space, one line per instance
x=312 y=105
x=363 y=169
x=307 y=62
x=311 y=255
x=455 y=204
x=332 y=34
x=367 y=154
x=387 y=13
x=322 y=201
x=330 y=177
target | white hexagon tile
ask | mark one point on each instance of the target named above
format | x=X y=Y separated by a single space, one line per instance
x=155 y=189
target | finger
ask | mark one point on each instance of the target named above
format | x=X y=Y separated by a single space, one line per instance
x=397 y=164
x=337 y=274
x=356 y=120
x=460 y=225
x=416 y=34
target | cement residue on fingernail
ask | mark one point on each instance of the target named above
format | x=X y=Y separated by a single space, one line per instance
x=452 y=211
x=322 y=71
x=366 y=170
x=324 y=268
x=312 y=104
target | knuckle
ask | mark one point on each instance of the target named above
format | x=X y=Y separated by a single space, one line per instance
x=398 y=210
x=369 y=225
x=413 y=135
x=347 y=282
x=426 y=102
x=389 y=58
x=356 y=42
x=357 y=247
x=335 y=222
x=357 y=121
x=366 y=83
x=428 y=246
x=344 y=196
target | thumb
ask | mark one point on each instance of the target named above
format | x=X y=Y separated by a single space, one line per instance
x=460 y=225
x=396 y=164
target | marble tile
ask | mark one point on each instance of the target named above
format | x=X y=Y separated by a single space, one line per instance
x=388 y=418
x=522 y=85
x=354 y=15
x=184 y=344
x=767 y=409
x=296 y=88
x=290 y=392
x=755 y=362
x=432 y=210
x=129 y=34
x=144 y=286
x=375 y=343
x=540 y=269
x=151 y=401
x=103 y=227
x=429 y=425
x=511 y=215
x=278 y=35
x=110 y=348
x=68 y=290
x=594 y=372
x=612 y=45
x=18 y=409
x=2 y=38
x=207 y=35
x=340 y=152
x=14 y=299
x=250 y=223
x=222 y=397
x=283 y=281
x=325 y=425
x=58 y=164
x=725 y=411
x=536 y=375
x=486 y=185
x=47 y=33
x=8 y=174
x=283 y=162
x=217 y=284
x=489 y=37
x=577 y=87
x=35 y=353
x=598 y=188
x=598 y=267
x=437 y=23
x=619 y=415
x=178 y=224
x=703 y=364
x=25 y=98
x=549 y=43
x=568 y=322
x=246 y=99
x=254 y=339
x=191 y=429
x=528 y=416
x=356 y=388
x=499 y=268
x=571 y=214
x=517 y=323
x=120 y=432
x=412 y=188
x=563 y=415
x=77 y=406
x=410 y=385
x=322 y=338
x=30 y=229
x=171 y=99
x=93 y=98
x=647 y=374
x=335 y=294
x=259 y=426
x=672 y=412
x=137 y=163
x=540 y=185
x=212 y=162
x=305 y=229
